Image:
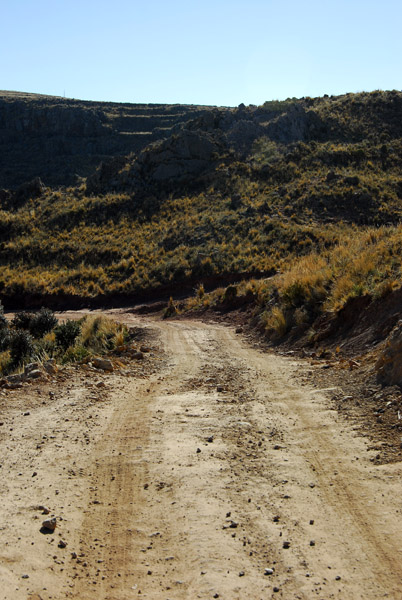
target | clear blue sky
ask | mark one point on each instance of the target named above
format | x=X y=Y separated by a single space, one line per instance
x=212 y=52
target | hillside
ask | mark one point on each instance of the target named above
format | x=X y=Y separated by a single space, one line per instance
x=61 y=139
x=309 y=190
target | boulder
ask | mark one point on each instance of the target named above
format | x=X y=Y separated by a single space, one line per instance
x=35 y=374
x=102 y=363
x=18 y=378
x=389 y=364
x=31 y=367
x=50 y=366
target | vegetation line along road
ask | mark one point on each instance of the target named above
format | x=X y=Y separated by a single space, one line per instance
x=220 y=473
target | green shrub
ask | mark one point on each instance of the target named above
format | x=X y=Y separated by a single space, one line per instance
x=66 y=333
x=4 y=338
x=21 y=346
x=42 y=322
x=74 y=354
x=23 y=320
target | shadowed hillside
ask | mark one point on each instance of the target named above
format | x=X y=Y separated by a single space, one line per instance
x=59 y=139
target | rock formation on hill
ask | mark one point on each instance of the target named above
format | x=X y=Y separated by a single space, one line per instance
x=57 y=139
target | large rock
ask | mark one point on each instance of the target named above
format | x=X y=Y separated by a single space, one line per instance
x=179 y=157
x=102 y=363
x=243 y=133
x=389 y=364
x=50 y=524
x=296 y=124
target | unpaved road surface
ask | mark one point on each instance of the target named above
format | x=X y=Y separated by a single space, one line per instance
x=220 y=473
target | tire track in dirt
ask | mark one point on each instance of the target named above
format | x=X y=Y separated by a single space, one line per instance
x=204 y=475
x=222 y=479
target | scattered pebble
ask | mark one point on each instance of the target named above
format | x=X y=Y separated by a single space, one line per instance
x=286 y=545
x=268 y=571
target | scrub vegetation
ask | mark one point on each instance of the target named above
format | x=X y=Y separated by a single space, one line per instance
x=39 y=336
x=321 y=214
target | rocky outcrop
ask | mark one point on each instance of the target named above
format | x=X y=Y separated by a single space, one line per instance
x=179 y=157
x=296 y=124
x=58 y=139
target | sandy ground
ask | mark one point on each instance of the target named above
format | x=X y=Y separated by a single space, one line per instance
x=218 y=472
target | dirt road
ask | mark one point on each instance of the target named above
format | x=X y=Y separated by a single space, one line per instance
x=224 y=474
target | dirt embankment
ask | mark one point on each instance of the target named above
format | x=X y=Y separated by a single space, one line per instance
x=216 y=471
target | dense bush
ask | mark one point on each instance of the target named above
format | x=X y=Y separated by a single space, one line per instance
x=23 y=320
x=66 y=333
x=37 y=324
x=4 y=338
x=21 y=346
x=42 y=322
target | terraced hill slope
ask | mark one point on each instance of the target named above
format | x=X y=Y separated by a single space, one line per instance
x=59 y=139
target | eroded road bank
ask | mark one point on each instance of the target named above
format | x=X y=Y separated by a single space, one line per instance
x=219 y=476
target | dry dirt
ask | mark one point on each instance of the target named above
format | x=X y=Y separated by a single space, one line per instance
x=190 y=476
